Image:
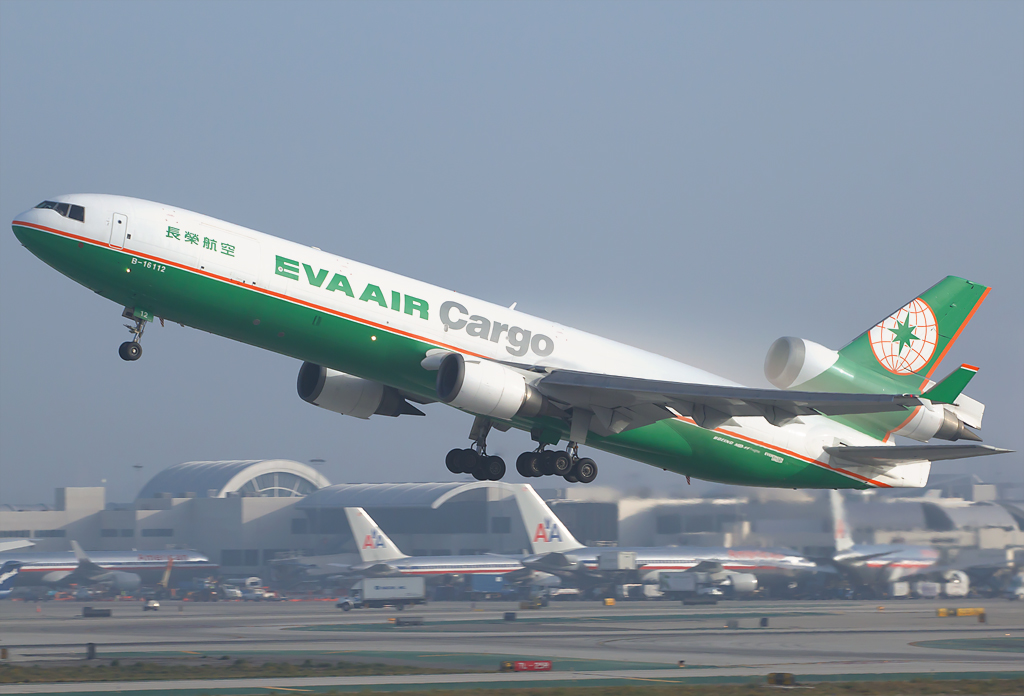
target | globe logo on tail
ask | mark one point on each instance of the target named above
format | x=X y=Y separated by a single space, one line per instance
x=905 y=342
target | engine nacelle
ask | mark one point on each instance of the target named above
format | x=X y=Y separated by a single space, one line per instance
x=793 y=361
x=121 y=581
x=349 y=395
x=743 y=583
x=487 y=388
x=933 y=420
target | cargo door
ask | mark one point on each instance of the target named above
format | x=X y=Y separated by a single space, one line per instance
x=118 y=230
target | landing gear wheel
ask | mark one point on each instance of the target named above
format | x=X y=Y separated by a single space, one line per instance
x=528 y=464
x=130 y=351
x=585 y=470
x=480 y=471
x=571 y=479
x=493 y=468
x=523 y=464
x=469 y=460
x=561 y=464
x=546 y=462
x=453 y=460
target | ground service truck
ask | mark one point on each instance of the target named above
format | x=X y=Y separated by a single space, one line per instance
x=384 y=592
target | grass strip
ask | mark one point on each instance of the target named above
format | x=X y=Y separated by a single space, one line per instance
x=219 y=668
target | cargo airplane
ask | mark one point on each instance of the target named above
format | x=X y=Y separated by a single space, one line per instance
x=378 y=343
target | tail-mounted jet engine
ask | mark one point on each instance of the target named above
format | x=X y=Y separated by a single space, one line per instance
x=350 y=395
x=797 y=362
x=487 y=388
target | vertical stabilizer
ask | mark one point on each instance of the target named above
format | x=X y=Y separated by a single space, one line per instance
x=373 y=544
x=909 y=344
x=840 y=529
x=545 y=530
x=79 y=553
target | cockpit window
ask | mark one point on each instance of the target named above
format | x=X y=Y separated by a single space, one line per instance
x=68 y=210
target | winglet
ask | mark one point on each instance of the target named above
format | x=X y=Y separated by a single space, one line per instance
x=947 y=391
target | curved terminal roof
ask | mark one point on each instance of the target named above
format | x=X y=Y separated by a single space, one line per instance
x=266 y=478
x=433 y=495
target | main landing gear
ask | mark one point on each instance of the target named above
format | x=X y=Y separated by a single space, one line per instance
x=475 y=459
x=567 y=464
x=540 y=462
x=132 y=350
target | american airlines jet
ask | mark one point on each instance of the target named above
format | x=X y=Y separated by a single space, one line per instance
x=380 y=556
x=377 y=343
x=557 y=552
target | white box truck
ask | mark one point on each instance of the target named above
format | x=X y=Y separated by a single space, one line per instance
x=385 y=592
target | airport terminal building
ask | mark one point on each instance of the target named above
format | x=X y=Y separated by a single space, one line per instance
x=245 y=514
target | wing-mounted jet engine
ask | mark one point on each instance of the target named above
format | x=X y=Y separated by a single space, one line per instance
x=350 y=395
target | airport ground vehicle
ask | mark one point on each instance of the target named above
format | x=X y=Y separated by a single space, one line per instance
x=151 y=605
x=375 y=593
x=377 y=343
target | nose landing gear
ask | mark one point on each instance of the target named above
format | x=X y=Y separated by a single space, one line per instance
x=132 y=350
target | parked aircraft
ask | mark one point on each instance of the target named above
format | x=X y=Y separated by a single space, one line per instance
x=381 y=558
x=872 y=567
x=8 y=574
x=556 y=551
x=377 y=343
x=54 y=568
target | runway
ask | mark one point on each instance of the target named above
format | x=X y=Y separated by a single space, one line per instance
x=587 y=642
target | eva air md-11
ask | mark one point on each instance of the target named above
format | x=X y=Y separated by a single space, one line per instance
x=378 y=343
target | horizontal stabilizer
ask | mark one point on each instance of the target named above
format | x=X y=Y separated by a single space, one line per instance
x=883 y=456
x=948 y=390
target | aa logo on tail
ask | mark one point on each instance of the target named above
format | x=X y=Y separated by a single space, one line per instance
x=547 y=531
x=905 y=342
x=373 y=540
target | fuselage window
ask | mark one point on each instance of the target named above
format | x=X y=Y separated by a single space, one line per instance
x=75 y=212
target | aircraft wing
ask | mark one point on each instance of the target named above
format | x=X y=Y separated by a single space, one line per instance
x=887 y=456
x=16 y=544
x=623 y=403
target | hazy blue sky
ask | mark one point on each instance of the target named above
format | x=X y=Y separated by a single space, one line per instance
x=693 y=178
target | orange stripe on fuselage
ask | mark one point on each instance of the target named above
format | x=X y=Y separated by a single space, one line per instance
x=256 y=288
x=776 y=448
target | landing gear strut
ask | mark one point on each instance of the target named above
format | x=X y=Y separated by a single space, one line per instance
x=475 y=460
x=132 y=350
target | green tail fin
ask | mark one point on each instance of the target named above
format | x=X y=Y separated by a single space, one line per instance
x=909 y=344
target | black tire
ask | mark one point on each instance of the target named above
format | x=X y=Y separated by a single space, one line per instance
x=546 y=462
x=494 y=467
x=585 y=470
x=531 y=466
x=467 y=461
x=561 y=463
x=453 y=460
x=571 y=478
x=130 y=351
x=523 y=465
x=480 y=471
